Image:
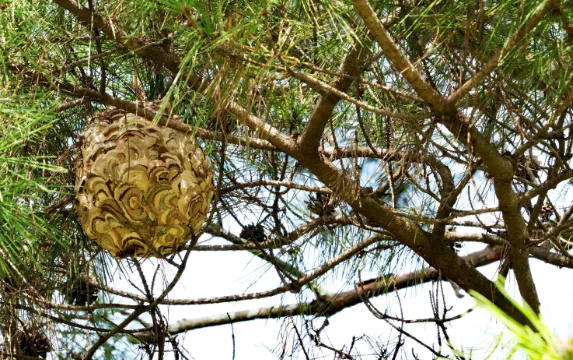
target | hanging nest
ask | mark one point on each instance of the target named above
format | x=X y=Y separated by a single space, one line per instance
x=142 y=190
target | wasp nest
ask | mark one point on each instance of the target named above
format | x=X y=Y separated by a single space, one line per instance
x=142 y=190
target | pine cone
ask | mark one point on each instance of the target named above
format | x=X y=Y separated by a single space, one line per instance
x=79 y=292
x=527 y=167
x=546 y=212
x=142 y=190
x=254 y=233
x=32 y=343
x=456 y=247
x=322 y=204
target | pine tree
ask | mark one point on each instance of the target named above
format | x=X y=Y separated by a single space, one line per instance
x=326 y=139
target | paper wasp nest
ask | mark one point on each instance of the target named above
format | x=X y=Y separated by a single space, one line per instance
x=142 y=190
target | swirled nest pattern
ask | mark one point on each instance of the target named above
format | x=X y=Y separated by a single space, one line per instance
x=142 y=190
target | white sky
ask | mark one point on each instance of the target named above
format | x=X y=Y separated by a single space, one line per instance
x=223 y=273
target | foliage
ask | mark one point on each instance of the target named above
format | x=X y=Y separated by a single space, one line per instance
x=537 y=342
x=348 y=139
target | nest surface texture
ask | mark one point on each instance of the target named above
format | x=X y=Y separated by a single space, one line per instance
x=142 y=190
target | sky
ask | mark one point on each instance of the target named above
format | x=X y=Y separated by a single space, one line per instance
x=211 y=274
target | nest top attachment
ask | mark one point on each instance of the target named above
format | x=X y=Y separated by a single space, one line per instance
x=142 y=190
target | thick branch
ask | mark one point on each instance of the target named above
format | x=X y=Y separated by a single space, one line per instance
x=397 y=57
x=310 y=138
x=551 y=257
x=502 y=172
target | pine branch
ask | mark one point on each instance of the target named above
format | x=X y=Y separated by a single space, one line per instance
x=332 y=305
